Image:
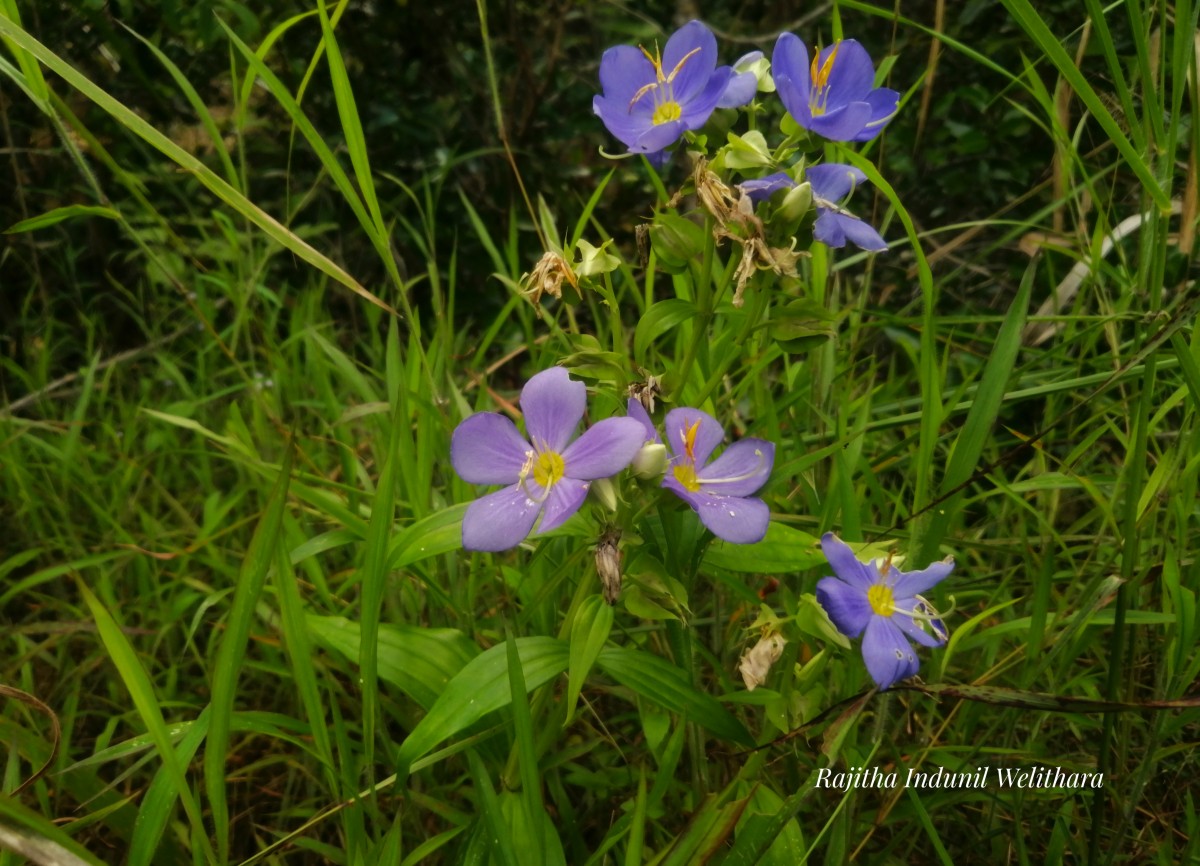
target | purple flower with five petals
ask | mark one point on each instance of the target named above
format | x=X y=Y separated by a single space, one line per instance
x=719 y=492
x=836 y=97
x=885 y=606
x=650 y=101
x=548 y=474
x=831 y=182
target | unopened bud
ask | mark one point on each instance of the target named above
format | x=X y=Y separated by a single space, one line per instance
x=761 y=67
x=756 y=663
x=608 y=565
x=797 y=202
x=650 y=462
x=604 y=491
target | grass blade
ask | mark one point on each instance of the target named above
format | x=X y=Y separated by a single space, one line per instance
x=146 y=702
x=232 y=651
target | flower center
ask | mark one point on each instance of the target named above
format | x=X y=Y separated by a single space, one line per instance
x=818 y=97
x=685 y=474
x=665 y=106
x=666 y=112
x=549 y=468
x=880 y=597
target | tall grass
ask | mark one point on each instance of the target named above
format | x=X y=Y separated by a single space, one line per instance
x=233 y=566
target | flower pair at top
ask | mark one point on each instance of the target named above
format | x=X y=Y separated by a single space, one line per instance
x=650 y=101
x=548 y=474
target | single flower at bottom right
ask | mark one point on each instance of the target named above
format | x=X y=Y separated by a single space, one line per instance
x=885 y=606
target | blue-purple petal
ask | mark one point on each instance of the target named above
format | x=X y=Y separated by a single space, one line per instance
x=699 y=108
x=694 y=74
x=709 y=433
x=842 y=123
x=638 y=413
x=889 y=657
x=739 y=90
x=731 y=518
x=500 y=520
x=564 y=500
x=761 y=189
x=911 y=583
x=852 y=75
x=862 y=234
x=626 y=127
x=833 y=181
x=741 y=469
x=553 y=404
x=846 y=605
x=828 y=228
x=660 y=136
x=789 y=68
x=624 y=70
x=884 y=103
x=487 y=449
x=604 y=449
x=846 y=565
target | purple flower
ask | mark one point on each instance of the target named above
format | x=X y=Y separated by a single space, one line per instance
x=761 y=189
x=886 y=603
x=548 y=477
x=835 y=98
x=719 y=491
x=830 y=183
x=650 y=101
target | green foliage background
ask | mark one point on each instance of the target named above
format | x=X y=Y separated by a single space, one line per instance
x=229 y=575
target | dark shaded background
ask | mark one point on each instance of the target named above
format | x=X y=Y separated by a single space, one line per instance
x=421 y=87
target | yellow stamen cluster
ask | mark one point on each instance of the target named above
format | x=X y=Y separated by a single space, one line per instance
x=549 y=468
x=666 y=108
x=881 y=599
x=685 y=474
x=818 y=97
x=689 y=440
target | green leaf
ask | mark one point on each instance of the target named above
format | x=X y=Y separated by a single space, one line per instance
x=434 y=535
x=418 y=661
x=659 y=319
x=52 y=217
x=783 y=550
x=232 y=650
x=801 y=325
x=374 y=574
x=480 y=688
x=589 y=632
x=1055 y=50
x=976 y=430
x=34 y=830
x=137 y=125
x=676 y=241
x=660 y=682
x=502 y=848
x=141 y=691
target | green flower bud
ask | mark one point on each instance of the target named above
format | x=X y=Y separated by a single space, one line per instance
x=650 y=463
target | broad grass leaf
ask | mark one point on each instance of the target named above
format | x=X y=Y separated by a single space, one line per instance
x=589 y=632
x=782 y=551
x=418 y=661
x=478 y=689
x=662 y=683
